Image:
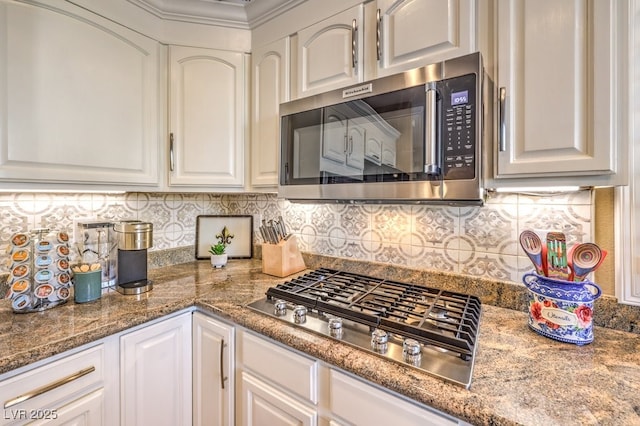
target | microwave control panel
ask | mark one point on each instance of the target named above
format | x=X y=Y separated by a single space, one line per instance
x=458 y=97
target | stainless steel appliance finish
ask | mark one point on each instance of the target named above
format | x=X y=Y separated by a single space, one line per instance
x=415 y=137
x=134 y=238
x=134 y=234
x=426 y=328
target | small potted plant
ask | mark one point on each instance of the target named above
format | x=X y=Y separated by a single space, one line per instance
x=218 y=255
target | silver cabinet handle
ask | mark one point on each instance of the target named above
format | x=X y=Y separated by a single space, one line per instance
x=431 y=165
x=51 y=386
x=222 y=377
x=171 y=160
x=378 y=25
x=354 y=43
x=502 y=127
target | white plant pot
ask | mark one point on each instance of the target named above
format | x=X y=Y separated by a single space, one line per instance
x=218 y=260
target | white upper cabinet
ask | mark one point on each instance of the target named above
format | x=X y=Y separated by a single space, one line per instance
x=270 y=76
x=206 y=118
x=78 y=98
x=406 y=34
x=329 y=53
x=560 y=98
x=381 y=38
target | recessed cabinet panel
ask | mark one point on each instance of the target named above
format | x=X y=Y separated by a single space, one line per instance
x=155 y=373
x=213 y=372
x=360 y=403
x=330 y=53
x=270 y=88
x=417 y=32
x=555 y=75
x=206 y=117
x=262 y=404
x=79 y=97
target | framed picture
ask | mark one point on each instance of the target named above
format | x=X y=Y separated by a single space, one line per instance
x=241 y=227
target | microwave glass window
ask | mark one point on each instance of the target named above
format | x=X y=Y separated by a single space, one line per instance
x=376 y=139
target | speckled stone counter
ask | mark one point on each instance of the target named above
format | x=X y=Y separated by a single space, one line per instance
x=519 y=376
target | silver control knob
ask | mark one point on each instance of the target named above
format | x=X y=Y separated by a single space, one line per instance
x=299 y=314
x=412 y=351
x=335 y=327
x=379 y=339
x=280 y=308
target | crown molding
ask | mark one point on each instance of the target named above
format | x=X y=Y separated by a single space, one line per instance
x=243 y=14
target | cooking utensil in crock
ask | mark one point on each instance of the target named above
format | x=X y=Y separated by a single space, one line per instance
x=557 y=263
x=532 y=245
x=584 y=259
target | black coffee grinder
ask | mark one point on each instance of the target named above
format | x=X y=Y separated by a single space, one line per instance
x=134 y=238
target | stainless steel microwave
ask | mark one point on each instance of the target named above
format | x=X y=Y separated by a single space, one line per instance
x=414 y=137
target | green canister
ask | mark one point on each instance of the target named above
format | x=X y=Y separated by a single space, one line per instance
x=87 y=285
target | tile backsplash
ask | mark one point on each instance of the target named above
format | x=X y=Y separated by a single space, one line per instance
x=478 y=241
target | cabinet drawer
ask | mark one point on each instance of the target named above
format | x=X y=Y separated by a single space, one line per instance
x=360 y=403
x=282 y=366
x=51 y=385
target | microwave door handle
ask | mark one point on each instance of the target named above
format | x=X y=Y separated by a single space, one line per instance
x=431 y=166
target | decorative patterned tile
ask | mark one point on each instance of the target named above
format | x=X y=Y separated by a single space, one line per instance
x=391 y=253
x=489 y=265
x=479 y=241
x=432 y=258
x=491 y=229
x=432 y=226
x=392 y=222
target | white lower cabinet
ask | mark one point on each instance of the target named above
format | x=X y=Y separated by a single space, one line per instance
x=155 y=373
x=262 y=404
x=275 y=385
x=87 y=410
x=213 y=366
x=353 y=401
x=278 y=386
x=70 y=389
x=194 y=369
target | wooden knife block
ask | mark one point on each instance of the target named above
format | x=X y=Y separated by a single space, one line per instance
x=282 y=259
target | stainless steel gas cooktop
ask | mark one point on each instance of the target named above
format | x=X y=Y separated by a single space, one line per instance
x=426 y=328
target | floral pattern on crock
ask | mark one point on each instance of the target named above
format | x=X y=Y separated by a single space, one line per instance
x=581 y=331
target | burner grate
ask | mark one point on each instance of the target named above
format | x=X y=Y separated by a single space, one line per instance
x=445 y=319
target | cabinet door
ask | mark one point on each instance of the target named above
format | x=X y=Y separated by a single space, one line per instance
x=213 y=366
x=412 y=33
x=330 y=53
x=270 y=88
x=85 y=411
x=206 y=117
x=556 y=75
x=262 y=404
x=155 y=375
x=79 y=97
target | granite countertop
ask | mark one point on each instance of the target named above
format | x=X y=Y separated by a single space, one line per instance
x=519 y=377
